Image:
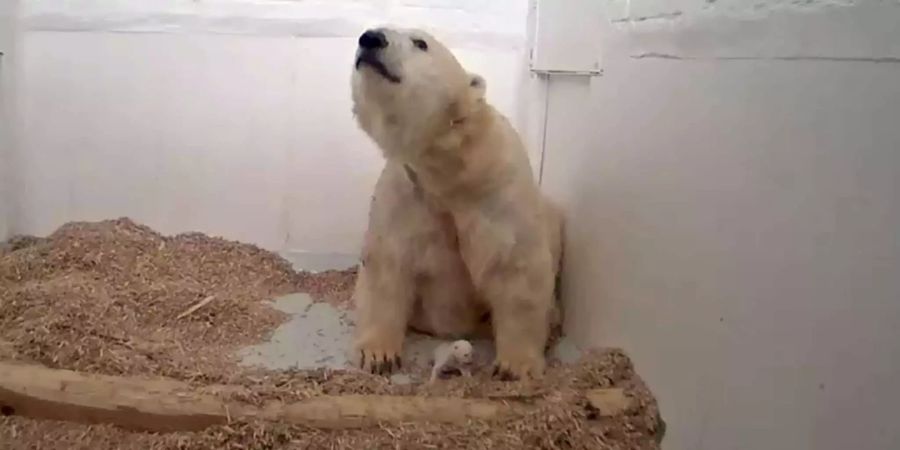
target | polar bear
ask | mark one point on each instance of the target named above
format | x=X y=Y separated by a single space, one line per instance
x=460 y=241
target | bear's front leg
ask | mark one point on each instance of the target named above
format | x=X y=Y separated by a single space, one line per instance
x=520 y=309
x=510 y=264
x=384 y=296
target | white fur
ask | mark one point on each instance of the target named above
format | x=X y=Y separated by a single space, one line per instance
x=453 y=355
x=458 y=231
x=430 y=81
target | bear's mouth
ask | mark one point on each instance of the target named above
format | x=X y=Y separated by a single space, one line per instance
x=371 y=60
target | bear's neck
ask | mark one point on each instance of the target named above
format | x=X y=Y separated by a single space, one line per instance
x=460 y=164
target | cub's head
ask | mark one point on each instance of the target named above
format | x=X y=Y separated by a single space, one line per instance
x=407 y=86
x=462 y=351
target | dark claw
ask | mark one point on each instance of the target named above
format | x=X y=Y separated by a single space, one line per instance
x=398 y=362
x=502 y=374
x=383 y=366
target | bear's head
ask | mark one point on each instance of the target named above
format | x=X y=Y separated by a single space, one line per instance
x=408 y=88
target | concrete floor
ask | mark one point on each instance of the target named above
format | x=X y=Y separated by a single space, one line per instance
x=319 y=335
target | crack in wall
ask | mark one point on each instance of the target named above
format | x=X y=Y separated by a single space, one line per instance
x=770 y=6
x=876 y=60
x=662 y=16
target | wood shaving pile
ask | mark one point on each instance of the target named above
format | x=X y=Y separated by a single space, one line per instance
x=105 y=297
x=333 y=286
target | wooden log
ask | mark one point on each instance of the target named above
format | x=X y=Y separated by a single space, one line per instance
x=139 y=404
x=164 y=405
x=357 y=411
x=608 y=402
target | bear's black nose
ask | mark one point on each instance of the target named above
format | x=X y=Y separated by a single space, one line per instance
x=371 y=40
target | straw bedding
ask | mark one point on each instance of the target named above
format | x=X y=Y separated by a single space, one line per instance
x=116 y=297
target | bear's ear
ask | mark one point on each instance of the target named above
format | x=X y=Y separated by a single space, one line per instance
x=477 y=83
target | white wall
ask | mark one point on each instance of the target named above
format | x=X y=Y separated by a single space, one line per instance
x=8 y=15
x=731 y=184
x=230 y=117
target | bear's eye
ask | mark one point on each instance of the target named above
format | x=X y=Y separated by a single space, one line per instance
x=421 y=44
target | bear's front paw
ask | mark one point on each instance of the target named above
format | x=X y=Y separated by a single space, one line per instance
x=379 y=360
x=519 y=367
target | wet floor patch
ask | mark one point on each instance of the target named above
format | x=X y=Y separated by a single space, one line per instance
x=320 y=335
x=316 y=336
